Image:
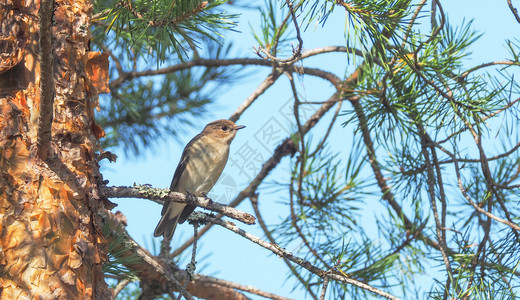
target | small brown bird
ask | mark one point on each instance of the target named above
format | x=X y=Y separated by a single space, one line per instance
x=201 y=164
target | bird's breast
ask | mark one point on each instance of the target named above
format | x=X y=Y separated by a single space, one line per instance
x=206 y=162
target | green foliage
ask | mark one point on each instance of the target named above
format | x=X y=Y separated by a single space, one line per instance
x=159 y=27
x=132 y=291
x=141 y=112
x=432 y=134
x=143 y=109
x=274 y=30
x=416 y=89
x=118 y=249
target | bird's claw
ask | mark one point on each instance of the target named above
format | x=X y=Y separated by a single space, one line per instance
x=206 y=197
x=190 y=195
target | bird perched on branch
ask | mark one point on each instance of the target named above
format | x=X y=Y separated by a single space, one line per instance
x=201 y=164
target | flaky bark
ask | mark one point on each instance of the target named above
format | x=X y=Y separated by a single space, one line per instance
x=49 y=245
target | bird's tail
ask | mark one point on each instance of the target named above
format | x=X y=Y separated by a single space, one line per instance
x=170 y=217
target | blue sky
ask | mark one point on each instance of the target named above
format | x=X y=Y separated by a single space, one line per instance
x=222 y=253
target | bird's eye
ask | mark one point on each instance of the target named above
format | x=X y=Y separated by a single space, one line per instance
x=224 y=128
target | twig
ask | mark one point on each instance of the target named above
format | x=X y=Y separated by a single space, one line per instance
x=324 y=288
x=276 y=38
x=100 y=14
x=116 y=83
x=468 y=198
x=125 y=76
x=301 y=162
x=329 y=129
x=46 y=53
x=475 y=160
x=302 y=157
x=240 y=287
x=410 y=25
x=484 y=163
x=328 y=49
x=485 y=65
x=486 y=226
x=297 y=227
x=436 y=31
x=432 y=180
x=507 y=106
x=254 y=203
x=296 y=52
x=302 y=262
x=267 y=83
x=381 y=181
x=120 y=286
x=513 y=10
x=190 y=268
x=499 y=260
x=163 y=271
x=160 y=195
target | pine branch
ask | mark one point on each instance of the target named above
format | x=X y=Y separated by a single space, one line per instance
x=386 y=191
x=302 y=262
x=164 y=22
x=149 y=267
x=297 y=53
x=165 y=276
x=201 y=62
x=161 y=195
x=268 y=234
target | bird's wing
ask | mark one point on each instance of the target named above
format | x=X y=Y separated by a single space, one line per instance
x=182 y=163
x=186 y=212
x=185 y=157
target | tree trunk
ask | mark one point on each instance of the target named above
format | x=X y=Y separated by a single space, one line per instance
x=49 y=245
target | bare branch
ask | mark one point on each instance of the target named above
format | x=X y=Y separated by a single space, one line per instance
x=489 y=64
x=254 y=203
x=302 y=262
x=190 y=268
x=328 y=49
x=440 y=223
x=381 y=181
x=240 y=287
x=120 y=286
x=329 y=129
x=301 y=163
x=324 y=288
x=468 y=198
x=513 y=10
x=201 y=62
x=160 y=195
x=267 y=83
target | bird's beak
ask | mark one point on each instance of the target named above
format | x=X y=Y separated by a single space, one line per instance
x=239 y=127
